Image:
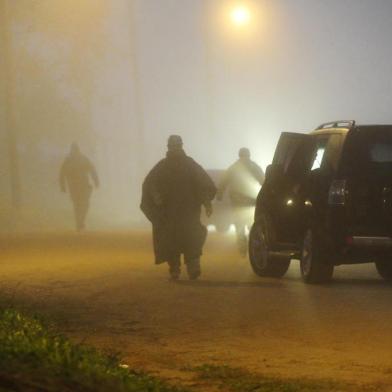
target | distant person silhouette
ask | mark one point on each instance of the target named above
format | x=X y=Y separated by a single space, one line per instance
x=242 y=180
x=75 y=176
x=173 y=193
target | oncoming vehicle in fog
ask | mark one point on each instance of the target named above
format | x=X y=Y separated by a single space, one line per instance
x=326 y=200
x=222 y=217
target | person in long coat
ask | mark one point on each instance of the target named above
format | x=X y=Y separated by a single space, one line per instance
x=75 y=174
x=173 y=194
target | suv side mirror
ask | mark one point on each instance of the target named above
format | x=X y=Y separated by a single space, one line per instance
x=274 y=171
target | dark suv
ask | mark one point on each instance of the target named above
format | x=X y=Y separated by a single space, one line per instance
x=326 y=200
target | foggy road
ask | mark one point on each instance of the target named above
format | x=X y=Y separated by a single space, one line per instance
x=104 y=289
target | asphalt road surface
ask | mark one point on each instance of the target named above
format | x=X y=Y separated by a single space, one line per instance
x=104 y=289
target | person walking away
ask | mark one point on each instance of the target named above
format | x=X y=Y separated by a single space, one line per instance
x=242 y=181
x=75 y=174
x=172 y=196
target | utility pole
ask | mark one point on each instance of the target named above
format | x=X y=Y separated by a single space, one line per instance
x=10 y=98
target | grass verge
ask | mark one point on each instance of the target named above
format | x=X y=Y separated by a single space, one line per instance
x=35 y=358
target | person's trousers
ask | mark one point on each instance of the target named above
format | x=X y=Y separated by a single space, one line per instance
x=81 y=203
x=192 y=266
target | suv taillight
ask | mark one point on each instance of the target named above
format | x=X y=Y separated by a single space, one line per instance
x=337 y=193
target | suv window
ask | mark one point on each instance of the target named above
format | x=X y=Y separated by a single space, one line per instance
x=319 y=153
x=327 y=152
x=380 y=152
x=369 y=149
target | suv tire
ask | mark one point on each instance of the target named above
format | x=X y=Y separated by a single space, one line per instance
x=384 y=268
x=262 y=262
x=313 y=263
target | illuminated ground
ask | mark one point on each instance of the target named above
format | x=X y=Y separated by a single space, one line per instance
x=105 y=290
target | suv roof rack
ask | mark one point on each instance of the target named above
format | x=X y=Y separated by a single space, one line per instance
x=337 y=124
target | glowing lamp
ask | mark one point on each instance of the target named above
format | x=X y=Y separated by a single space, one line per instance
x=240 y=16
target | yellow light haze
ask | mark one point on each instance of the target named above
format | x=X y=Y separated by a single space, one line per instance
x=240 y=15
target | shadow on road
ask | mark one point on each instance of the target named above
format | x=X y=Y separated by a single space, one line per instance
x=229 y=284
x=337 y=283
x=341 y=282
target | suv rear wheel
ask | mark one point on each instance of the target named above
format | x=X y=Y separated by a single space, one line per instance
x=313 y=263
x=262 y=262
x=384 y=268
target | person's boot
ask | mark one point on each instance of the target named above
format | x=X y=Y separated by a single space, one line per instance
x=174 y=268
x=193 y=268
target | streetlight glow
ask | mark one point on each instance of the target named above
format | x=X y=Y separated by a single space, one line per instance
x=240 y=16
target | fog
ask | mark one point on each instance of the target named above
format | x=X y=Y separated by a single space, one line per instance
x=120 y=76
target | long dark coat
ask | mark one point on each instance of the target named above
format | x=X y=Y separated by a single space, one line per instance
x=172 y=196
